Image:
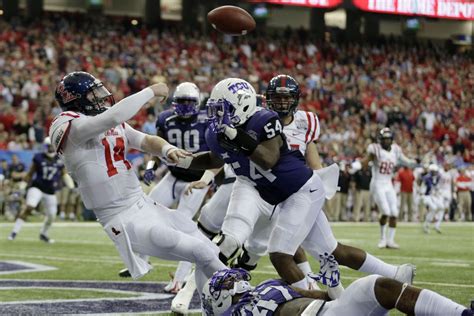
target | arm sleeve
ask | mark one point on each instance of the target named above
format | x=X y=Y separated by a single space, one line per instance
x=86 y=127
x=134 y=137
x=313 y=128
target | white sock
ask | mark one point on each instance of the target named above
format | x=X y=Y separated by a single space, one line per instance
x=374 y=265
x=440 y=216
x=383 y=232
x=304 y=267
x=18 y=223
x=429 y=217
x=430 y=303
x=45 y=228
x=62 y=215
x=302 y=284
x=182 y=271
x=391 y=234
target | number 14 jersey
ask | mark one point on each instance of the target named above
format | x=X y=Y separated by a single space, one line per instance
x=105 y=178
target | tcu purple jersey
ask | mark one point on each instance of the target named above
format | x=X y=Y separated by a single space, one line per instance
x=274 y=185
x=48 y=173
x=185 y=134
x=263 y=300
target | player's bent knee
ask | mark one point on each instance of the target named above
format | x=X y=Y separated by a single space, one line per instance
x=164 y=237
x=386 y=291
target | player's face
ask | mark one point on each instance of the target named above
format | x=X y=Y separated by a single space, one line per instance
x=100 y=96
x=386 y=143
x=281 y=103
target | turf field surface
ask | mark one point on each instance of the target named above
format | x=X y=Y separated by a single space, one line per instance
x=82 y=252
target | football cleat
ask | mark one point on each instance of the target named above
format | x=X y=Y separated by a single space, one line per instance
x=382 y=243
x=329 y=271
x=426 y=229
x=405 y=273
x=392 y=245
x=180 y=303
x=438 y=230
x=173 y=287
x=46 y=239
x=124 y=273
x=12 y=236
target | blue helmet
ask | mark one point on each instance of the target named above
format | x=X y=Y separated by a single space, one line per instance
x=81 y=92
x=283 y=94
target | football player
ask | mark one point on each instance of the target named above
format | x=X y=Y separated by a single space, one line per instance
x=272 y=178
x=433 y=198
x=44 y=178
x=385 y=156
x=229 y=292
x=93 y=140
x=183 y=126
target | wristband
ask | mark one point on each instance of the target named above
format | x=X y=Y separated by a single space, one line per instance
x=185 y=162
x=166 y=148
x=207 y=177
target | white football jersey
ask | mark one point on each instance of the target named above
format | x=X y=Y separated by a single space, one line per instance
x=303 y=130
x=384 y=162
x=445 y=182
x=104 y=177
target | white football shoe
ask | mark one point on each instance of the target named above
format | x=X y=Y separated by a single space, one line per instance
x=405 y=273
x=382 y=243
x=392 y=245
x=182 y=300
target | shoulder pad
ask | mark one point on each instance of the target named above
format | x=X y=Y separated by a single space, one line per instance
x=60 y=128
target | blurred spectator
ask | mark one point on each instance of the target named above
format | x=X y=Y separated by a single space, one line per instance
x=406 y=178
x=464 y=185
x=361 y=181
x=149 y=126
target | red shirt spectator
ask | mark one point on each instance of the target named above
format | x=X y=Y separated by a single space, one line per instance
x=406 y=178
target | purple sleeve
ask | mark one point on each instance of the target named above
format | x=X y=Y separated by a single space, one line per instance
x=267 y=125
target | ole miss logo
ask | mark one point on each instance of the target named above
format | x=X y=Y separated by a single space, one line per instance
x=66 y=96
x=116 y=232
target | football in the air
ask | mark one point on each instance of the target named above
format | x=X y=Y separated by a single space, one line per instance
x=231 y=20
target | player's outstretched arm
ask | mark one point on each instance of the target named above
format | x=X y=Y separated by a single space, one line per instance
x=312 y=156
x=88 y=127
x=201 y=161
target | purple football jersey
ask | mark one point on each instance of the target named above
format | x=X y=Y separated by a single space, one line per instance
x=48 y=173
x=285 y=178
x=186 y=134
x=263 y=300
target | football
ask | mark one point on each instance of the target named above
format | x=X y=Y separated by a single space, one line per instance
x=231 y=20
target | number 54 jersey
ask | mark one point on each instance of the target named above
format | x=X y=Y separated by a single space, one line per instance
x=105 y=178
x=274 y=185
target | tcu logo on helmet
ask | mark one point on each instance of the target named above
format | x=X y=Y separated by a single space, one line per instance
x=66 y=95
x=238 y=86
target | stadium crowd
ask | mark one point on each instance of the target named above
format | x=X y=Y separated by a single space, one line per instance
x=423 y=92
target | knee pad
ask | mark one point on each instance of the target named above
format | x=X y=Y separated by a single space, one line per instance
x=229 y=247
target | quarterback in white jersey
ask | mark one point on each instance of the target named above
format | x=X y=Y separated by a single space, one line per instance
x=93 y=141
x=385 y=156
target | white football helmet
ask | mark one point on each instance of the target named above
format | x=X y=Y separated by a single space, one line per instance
x=433 y=168
x=186 y=99
x=218 y=291
x=237 y=93
x=48 y=148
